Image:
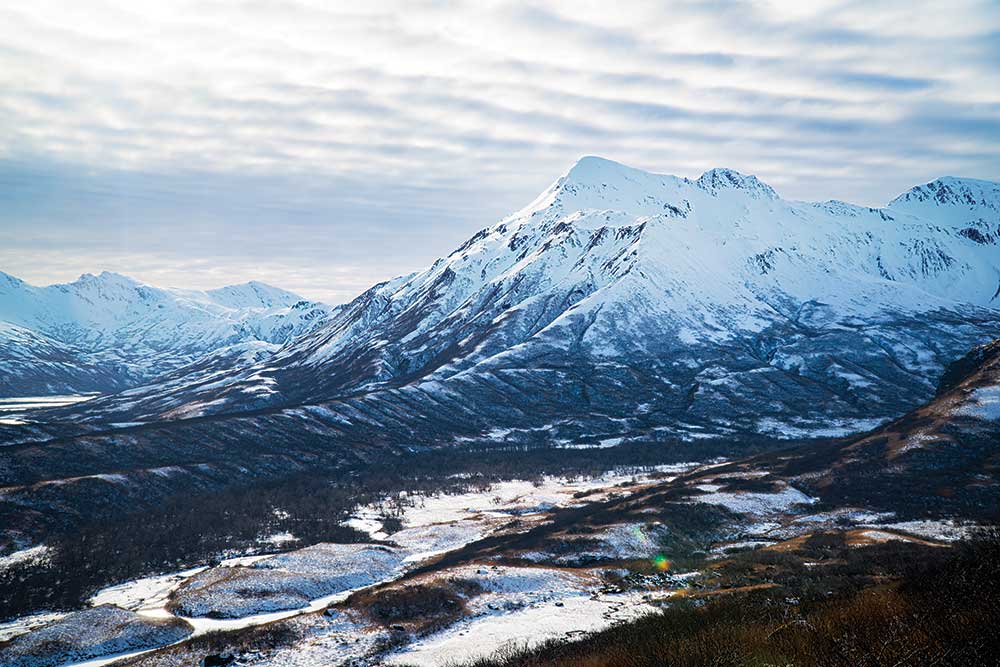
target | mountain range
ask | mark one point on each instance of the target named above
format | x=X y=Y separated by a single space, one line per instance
x=109 y=332
x=618 y=308
x=624 y=304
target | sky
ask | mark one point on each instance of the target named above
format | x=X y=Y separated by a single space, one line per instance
x=325 y=146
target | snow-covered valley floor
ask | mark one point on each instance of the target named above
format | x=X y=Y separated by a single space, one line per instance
x=249 y=591
x=521 y=591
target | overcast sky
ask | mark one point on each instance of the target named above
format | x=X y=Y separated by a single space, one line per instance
x=323 y=146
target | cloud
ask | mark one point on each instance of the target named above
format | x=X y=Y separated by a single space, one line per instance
x=338 y=145
x=882 y=82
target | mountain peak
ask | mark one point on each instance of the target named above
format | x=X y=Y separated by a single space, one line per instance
x=595 y=172
x=7 y=279
x=720 y=178
x=594 y=169
x=952 y=191
x=106 y=277
x=253 y=294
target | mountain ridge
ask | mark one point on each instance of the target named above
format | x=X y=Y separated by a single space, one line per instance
x=698 y=291
x=115 y=331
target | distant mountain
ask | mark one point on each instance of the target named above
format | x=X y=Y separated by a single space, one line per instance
x=626 y=304
x=109 y=332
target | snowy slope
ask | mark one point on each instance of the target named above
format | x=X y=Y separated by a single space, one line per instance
x=110 y=331
x=972 y=386
x=662 y=303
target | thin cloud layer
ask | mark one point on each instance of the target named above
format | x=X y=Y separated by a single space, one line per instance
x=325 y=147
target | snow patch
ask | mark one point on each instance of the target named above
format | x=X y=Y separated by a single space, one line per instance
x=982 y=403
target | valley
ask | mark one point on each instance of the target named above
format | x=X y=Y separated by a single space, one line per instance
x=548 y=560
x=491 y=568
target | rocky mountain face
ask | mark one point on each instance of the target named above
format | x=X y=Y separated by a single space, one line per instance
x=109 y=332
x=623 y=304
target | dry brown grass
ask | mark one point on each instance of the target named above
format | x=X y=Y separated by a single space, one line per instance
x=939 y=614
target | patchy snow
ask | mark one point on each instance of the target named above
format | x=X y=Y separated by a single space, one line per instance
x=284 y=582
x=145 y=596
x=243 y=560
x=205 y=625
x=836 y=429
x=757 y=503
x=741 y=546
x=279 y=539
x=367 y=524
x=243 y=591
x=846 y=515
x=600 y=444
x=17 y=410
x=88 y=634
x=569 y=617
x=25 y=403
x=19 y=626
x=631 y=540
x=333 y=639
x=425 y=541
x=917 y=441
x=945 y=530
x=880 y=536
x=544 y=583
x=166 y=471
x=982 y=403
x=482 y=510
x=34 y=554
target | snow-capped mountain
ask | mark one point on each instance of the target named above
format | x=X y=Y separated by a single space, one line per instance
x=109 y=332
x=626 y=302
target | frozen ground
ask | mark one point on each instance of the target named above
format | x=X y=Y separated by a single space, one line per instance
x=756 y=504
x=36 y=553
x=528 y=603
x=91 y=633
x=944 y=530
x=146 y=596
x=505 y=499
x=570 y=615
x=19 y=626
x=284 y=582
